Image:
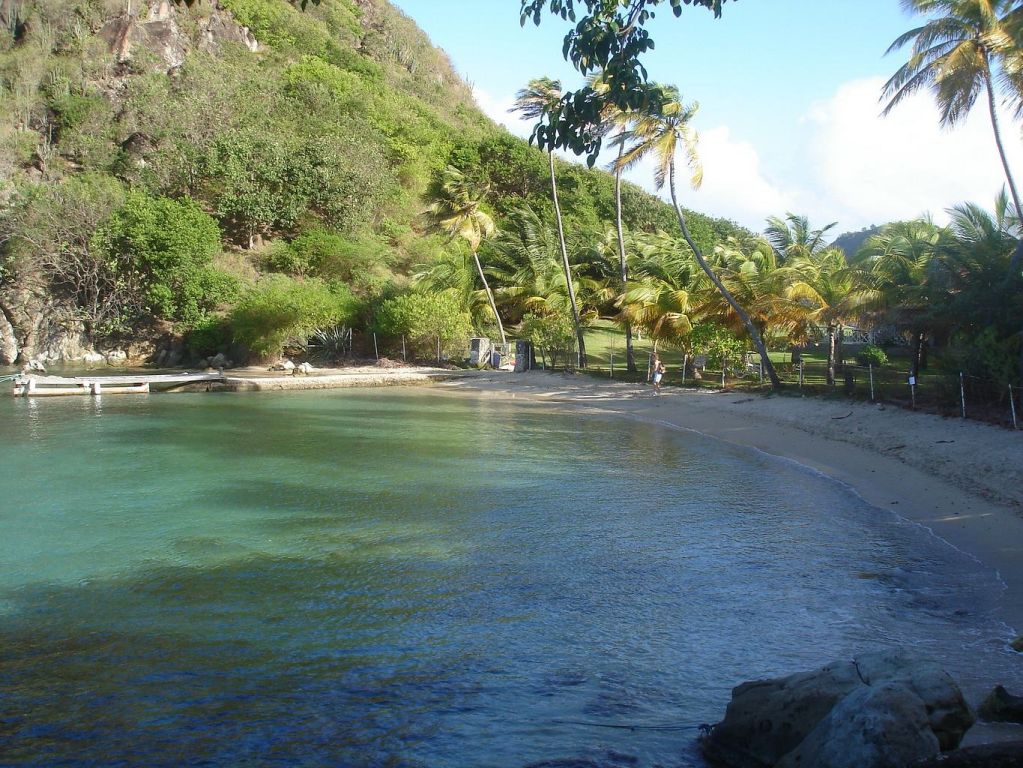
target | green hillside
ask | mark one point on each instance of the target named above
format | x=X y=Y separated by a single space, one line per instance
x=159 y=160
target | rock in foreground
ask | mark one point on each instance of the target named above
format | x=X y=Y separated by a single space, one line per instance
x=881 y=710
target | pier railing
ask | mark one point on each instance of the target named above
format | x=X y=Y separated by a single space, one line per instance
x=29 y=385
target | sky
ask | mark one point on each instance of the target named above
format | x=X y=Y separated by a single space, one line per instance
x=789 y=94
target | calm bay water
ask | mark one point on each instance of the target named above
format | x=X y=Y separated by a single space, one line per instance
x=404 y=578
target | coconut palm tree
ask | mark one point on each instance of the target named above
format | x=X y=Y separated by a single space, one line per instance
x=824 y=285
x=896 y=266
x=614 y=119
x=526 y=260
x=663 y=134
x=959 y=53
x=750 y=270
x=792 y=237
x=459 y=213
x=659 y=297
x=534 y=101
x=453 y=270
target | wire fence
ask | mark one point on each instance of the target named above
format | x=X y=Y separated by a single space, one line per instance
x=948 y=394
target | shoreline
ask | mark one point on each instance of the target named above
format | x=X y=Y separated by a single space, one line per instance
x=962 y=481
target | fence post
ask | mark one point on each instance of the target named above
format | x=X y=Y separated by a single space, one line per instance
x=375 y=350
x=962 y=395
x=870 y=368
x=685 y=364
x=1012 y=407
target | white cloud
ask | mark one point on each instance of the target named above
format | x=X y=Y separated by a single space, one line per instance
x=734 y=186
x=497 y=109
x=845 y=162
x=861 y=168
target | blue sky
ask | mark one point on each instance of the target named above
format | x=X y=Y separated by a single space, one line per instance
x=789 y=111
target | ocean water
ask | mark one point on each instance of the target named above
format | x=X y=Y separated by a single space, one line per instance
x=411 y=578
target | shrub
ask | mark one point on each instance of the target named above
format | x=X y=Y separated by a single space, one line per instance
x=423 y=318
x=279 y=310
x=716 y=342
x=208 y=337
x=168 y=247
x=871 y=355
x=552 y=335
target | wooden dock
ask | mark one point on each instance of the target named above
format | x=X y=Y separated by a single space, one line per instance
x=49 y=386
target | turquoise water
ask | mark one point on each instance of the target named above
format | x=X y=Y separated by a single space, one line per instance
x=407 y=578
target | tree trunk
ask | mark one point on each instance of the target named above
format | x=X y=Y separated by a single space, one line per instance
x=840 y=348
x=581 y=351
x=630 y=352
x=751 y=329
x=490 y=296
x=1017 y=254
x=918 y=343
x=831 y=355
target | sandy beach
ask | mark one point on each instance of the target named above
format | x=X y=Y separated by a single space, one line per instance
x=961 y=479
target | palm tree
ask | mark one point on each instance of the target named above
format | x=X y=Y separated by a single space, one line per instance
x=526 y=261
x=752 y=274
x=824 y=285
x=896 y=266
x=452 y=270
x=458 y=212
x=663 y=133
x=792 y=237
x=958 y=54
x=614 y=118
x=659 y=296
x=534 y=101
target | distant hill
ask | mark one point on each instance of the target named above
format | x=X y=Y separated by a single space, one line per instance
x=850 y=242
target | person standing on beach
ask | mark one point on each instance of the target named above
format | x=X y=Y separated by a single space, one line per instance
x=658 y=375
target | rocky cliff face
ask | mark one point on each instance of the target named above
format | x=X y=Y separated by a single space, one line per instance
x=35 y=323
x=154 y=37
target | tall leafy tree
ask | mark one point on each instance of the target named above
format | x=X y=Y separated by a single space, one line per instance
x=659 y=298
x=607 y=36
x=458 y=211
x=526 y=261
x=618 y=121
x=792 y=236
x=751 y=271
x=959 y=53
x=663 y=134
x=824 y=285
x=532 y=101
x=896 y=266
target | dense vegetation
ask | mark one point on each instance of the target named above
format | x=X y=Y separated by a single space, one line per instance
x=162 y=177
x=156 y=171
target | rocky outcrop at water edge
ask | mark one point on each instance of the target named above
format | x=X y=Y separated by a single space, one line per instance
x=880 y=710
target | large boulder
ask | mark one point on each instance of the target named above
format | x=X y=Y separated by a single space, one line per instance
x=948 y=714
x=882 y=726
x=767 y=719
x=810 y=719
